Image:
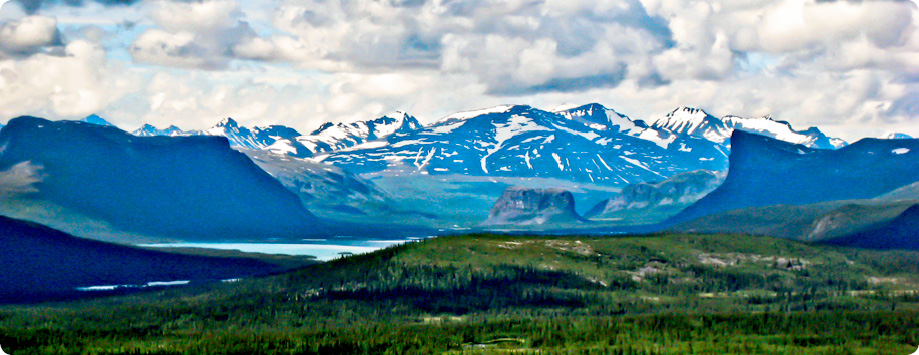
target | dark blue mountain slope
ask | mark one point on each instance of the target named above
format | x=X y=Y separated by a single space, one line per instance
x=764 y=171
x=179 y=187
x=39 y=263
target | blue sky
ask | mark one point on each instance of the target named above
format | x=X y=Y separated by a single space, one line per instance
x=849 y=67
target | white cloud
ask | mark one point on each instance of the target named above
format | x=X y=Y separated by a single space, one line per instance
x=195 y=16
x=179 y=49
x=197 y=34
x=28 y=35
x=837 y=64
x=75 y=84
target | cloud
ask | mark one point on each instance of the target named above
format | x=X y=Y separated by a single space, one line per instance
x=179 y=49
x=76 y=83
x=837 y=64
x=29 y=35
x=196 y=34
x=526 y=47
x=31 y=6
x=513 y=47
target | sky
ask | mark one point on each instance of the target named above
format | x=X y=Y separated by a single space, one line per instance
x=850 y=67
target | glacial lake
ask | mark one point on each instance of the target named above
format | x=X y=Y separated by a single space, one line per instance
x=322 y=249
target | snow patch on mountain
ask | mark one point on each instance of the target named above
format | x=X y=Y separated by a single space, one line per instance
x=516 y=125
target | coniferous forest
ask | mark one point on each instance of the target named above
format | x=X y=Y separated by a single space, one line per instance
x=490 y=294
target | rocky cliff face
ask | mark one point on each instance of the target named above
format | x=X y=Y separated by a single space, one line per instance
x=527 y=207
x=676 y=192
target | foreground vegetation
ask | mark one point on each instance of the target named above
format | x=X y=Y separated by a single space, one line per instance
x=482 y=294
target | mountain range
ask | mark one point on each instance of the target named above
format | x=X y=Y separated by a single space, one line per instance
x=588 y=143
x=394 y=170
x=285 y=140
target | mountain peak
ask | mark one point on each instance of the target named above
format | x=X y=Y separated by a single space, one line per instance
x=396 y=122
x=95 y=119
x=593 y=105
x=588 y=109
x=696 y=122
x=227 y=122
x=685 y=117
x=398 y=114
x=598 y=116
x=529 y=206
x=334 y=136
x=686 y=110
x=321 y=128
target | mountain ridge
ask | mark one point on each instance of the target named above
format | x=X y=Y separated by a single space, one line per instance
x=765 y=171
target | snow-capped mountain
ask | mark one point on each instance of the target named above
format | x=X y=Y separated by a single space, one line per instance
x=589 y=143
x=601 y=118
x=581 y=144
x=694 y=122
x=255 y=138
x=286 y=140
x=275 y=138
x=331 y=137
